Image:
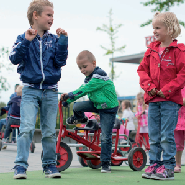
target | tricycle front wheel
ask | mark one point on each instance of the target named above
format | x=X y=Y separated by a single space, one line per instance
x=64 y=157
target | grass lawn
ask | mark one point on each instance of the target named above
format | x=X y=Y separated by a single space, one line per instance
x=87 y=176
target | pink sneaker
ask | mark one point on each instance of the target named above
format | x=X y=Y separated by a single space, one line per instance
x=149 y=171
x=177 y=169
x=163 y=174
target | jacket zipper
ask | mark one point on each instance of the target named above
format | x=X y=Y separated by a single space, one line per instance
x=159 y=64
x=41 y=64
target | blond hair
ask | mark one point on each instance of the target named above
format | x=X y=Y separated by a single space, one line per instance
x=19 y=90
x=86 y=54
x=37 y=5
x=144 y=106
x=170 y=21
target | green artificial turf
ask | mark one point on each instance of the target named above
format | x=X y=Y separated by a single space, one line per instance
x=78 y=176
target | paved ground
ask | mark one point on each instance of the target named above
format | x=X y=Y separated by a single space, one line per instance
x=7 y=157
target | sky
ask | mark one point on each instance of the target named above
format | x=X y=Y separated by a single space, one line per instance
x=80 y=19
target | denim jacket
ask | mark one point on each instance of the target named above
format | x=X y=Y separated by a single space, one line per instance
x=40 y=60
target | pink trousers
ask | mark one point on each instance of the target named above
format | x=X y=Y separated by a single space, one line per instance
x=179 y=139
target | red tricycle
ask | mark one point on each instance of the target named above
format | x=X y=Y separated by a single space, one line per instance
x=91 y=154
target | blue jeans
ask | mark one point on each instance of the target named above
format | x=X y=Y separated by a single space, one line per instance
x=162 y=120
x=107 y=121
x=32 y=99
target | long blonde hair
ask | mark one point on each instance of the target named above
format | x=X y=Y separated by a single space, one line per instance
x=144 y=106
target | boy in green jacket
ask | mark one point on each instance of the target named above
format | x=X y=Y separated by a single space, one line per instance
x=102 y=100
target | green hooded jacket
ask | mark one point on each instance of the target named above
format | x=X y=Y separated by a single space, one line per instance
x=99 y=89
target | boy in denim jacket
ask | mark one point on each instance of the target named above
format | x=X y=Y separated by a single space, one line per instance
x=40 y=56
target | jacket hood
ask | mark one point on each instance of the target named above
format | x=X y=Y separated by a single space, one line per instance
x=98 y=71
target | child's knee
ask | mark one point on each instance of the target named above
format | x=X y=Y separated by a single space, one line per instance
x=76 y=106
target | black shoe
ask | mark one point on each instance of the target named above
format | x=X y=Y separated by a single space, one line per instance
x=72 y=121
x=105 y=167
x=84 y=120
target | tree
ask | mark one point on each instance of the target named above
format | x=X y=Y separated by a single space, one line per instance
x=111 y=31
x=162 y=5
x=4 y=53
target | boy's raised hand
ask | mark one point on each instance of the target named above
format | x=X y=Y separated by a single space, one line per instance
x=30 y=34
x=60 y=31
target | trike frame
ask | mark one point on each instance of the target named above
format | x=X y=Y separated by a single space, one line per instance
x=137 y=157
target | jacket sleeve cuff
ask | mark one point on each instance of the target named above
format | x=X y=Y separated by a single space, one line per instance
x=167 y=93
x=71 y=95
x=63 y=40
x=150 y=87
x=65 y=104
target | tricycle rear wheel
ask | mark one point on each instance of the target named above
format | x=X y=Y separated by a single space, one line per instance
x=137 y=159
x=81 y=160
x=94 y=164
x=117 y=163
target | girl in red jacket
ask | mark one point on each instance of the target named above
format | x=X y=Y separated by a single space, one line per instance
x=179 y=134
x=162 y=76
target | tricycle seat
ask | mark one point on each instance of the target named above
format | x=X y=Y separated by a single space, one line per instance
x=15 y=126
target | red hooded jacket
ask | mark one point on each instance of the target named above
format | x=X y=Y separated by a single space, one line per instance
x=166 y=73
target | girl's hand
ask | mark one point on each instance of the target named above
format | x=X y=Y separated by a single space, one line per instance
x=160 y=93
x=30 y=34
x=60 y=31
x=152 y=92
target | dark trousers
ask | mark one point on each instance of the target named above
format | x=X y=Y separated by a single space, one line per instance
x=11 y=121
x=107 y=121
